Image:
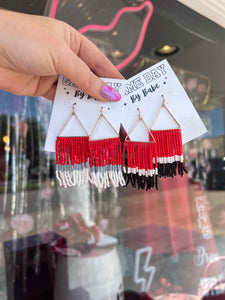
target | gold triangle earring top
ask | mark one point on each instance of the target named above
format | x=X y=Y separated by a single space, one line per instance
x=68 y=120
x=102 y=116
x=140 y=119
x=164 y=106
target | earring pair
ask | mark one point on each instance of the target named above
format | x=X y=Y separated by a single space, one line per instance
x=82 y=159
x=161 y=156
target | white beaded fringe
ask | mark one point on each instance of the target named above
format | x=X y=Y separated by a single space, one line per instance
x=68 y=178
x=100 y=178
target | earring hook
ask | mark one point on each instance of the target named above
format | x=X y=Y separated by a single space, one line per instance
x=139 y=114
x=73 y=108
x=164 y=101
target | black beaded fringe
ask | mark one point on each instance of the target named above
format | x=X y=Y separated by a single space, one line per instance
x=141 y=182
x=171 y=169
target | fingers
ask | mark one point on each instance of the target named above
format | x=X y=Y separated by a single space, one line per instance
x=50 y=94
x=75 y=69
x=96 y=60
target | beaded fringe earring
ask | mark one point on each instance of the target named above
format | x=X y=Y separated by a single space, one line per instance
x=138 y=158
x=72 y=157
x=105 y=159
x=169 y=148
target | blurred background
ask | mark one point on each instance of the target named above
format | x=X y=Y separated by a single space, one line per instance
x=88 y=243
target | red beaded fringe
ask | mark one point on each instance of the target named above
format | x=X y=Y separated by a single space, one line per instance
x=71 y=150
x=169 y=152
x=138 y=164
x=72 y=160
x=105 y=152
x=105 y=162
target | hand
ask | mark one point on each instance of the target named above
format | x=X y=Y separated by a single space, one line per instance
x=34 y=50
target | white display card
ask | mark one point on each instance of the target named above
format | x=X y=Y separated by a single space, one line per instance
x=145 y=90
x=87 y=110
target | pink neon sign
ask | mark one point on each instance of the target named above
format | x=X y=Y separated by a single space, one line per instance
x=146 y=4
x=54 y=7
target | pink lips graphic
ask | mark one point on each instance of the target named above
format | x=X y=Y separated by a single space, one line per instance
x=146 y=4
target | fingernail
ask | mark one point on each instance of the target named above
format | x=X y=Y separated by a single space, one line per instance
x=110 y=93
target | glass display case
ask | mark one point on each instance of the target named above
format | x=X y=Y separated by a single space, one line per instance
x=118 y=243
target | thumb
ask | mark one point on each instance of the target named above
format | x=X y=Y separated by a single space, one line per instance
x=76 y=70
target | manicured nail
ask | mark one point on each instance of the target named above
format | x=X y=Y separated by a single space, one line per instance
x=110 y=93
